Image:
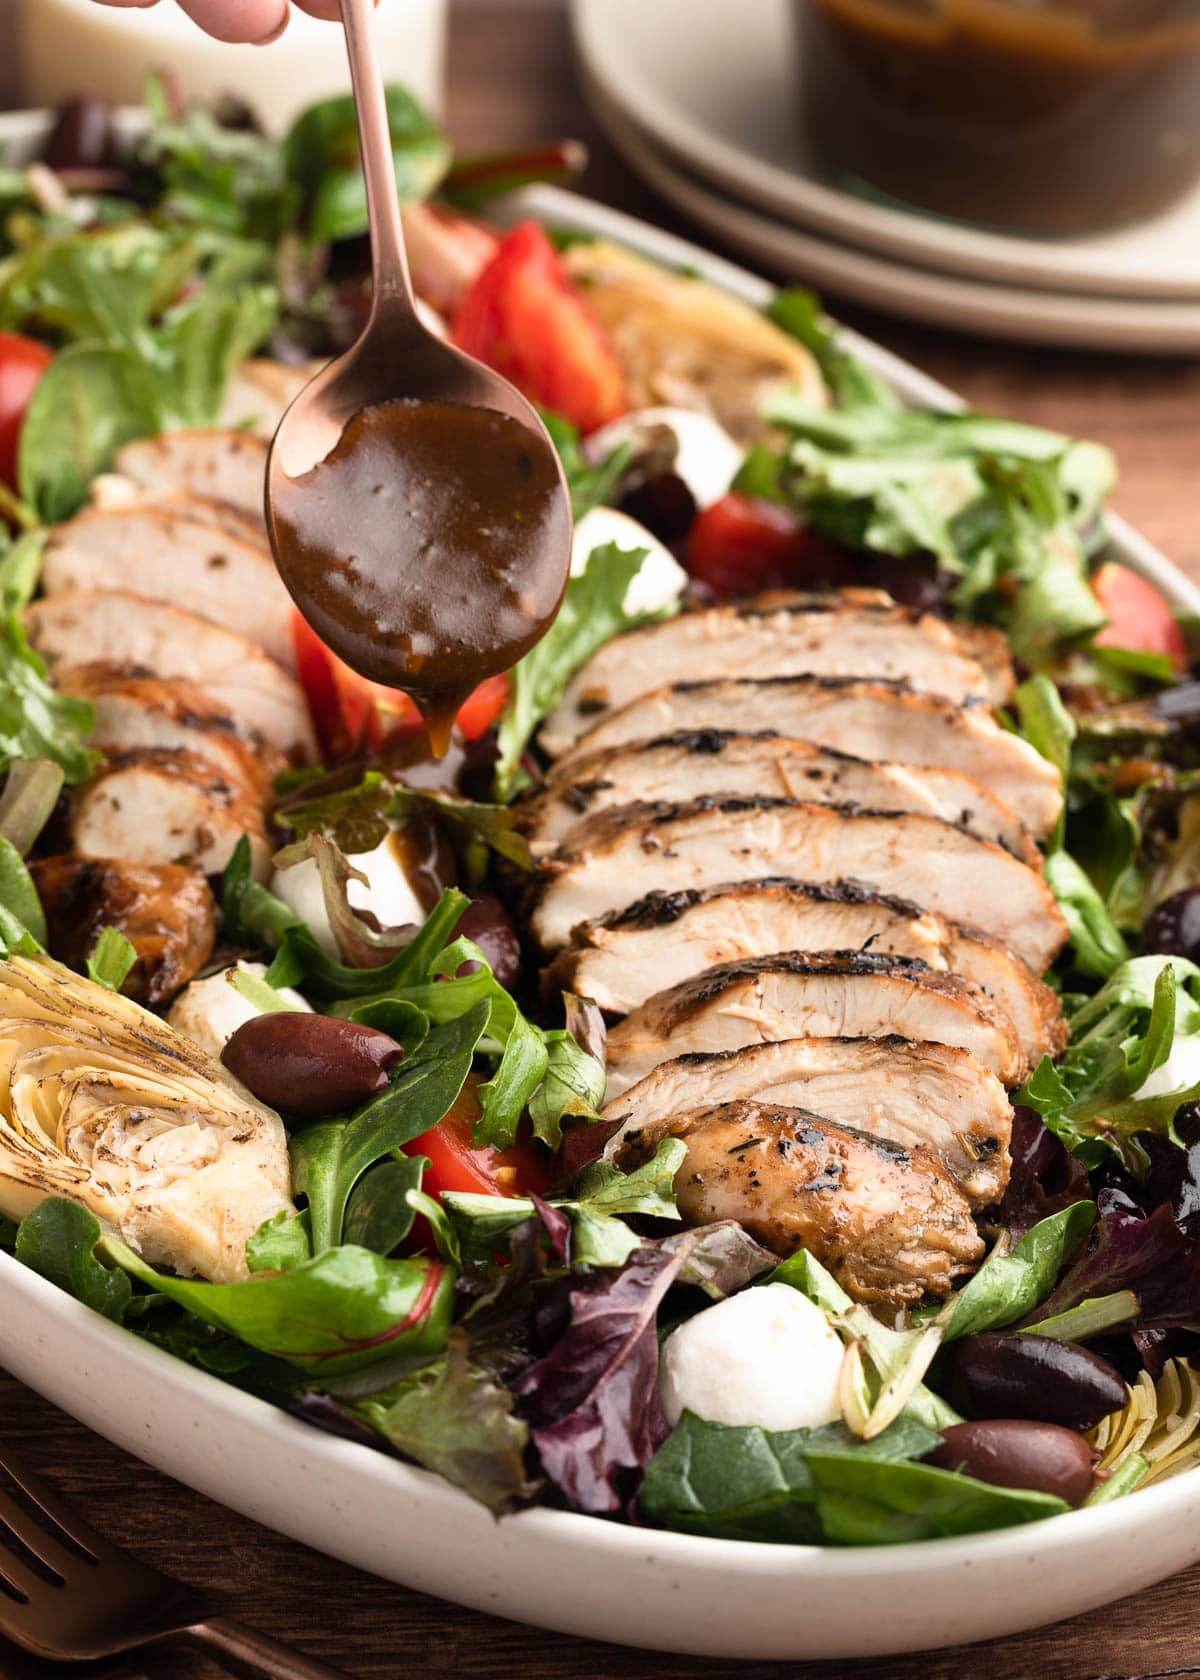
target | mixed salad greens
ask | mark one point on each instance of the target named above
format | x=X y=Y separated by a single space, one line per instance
x=459 y=1278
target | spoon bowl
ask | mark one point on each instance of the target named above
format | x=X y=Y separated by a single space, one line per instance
x=427 y=559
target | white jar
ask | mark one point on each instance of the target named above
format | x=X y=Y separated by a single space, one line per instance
x=75 y=46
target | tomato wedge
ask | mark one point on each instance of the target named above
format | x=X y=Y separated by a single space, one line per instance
x=1139 y=617
x=456 y=1164
x=742 y=544
x=22 y=363
x=350 y=713
x=523 y=317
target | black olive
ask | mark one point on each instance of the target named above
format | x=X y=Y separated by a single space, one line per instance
x=487 y=922
x=82 y=136
x=1028 y=1376
x=1016 y=1453
x=310 y=1064
x=664 y=505
x=1173 y=927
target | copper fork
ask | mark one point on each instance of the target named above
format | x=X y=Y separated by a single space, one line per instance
x=69 y=1595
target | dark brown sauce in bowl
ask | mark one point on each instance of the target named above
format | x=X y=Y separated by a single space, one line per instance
x=429 y=549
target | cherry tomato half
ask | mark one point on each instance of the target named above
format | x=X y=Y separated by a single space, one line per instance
x=742 y=544
x=1139 y=617
x=456 y=1164
x=22 y=363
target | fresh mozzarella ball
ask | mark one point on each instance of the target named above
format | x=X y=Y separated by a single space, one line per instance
x=706 y=457
x=768 y=1356
x=661 y=579
x=388 y=894
x=210 y=1011
x=1180 y=1070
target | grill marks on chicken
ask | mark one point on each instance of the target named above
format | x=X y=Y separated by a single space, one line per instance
x=857 y=633
x=672 y=848
x=708 y=763
x=888 y=1222
x=876 y=720
x=223 y=465
x=917 y=1095
x=798 y=994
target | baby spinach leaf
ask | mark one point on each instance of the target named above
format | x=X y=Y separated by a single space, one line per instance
x=331 y=1157
x=756 y=1484
x=322 y=155
x=379 y=1214
x=90 y=400
x=1010 y=1283
x=592 y=613
x=59 y=1240
x=861 y=1501
x=18 y=895
x=452 y=1417
x=202 y=341
x=339 y=1311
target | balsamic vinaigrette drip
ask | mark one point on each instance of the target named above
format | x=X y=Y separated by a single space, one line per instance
x=428 y=549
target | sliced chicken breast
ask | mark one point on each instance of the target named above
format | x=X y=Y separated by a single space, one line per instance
x=224 y=465
x=722 y=763
x=79 y=626
x=889 y=1223
x=882 y=722
x=853 y=633
x=680 y=848
x=165 y=911
x=174 y=554
x=261 y=392
x=621 y=959
x=917 y=1095
x=812 y=995
x=136 y=709
x=151 y=806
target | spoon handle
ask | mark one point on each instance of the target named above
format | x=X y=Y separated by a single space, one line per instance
x=389 y=261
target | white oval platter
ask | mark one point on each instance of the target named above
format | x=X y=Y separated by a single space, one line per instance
x=577 y=1574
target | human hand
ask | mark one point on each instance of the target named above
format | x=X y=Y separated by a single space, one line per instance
x=259 y=21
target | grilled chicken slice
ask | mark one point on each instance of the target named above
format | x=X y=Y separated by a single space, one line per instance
x=720 y=762
x=856 y=633
x=797 y=994
x=261 y=392
x=165 y=911
x=890 y=1223
x=875 y=720
x=90 y=624
x=673 y=848
x=621 y=959
x=133 y=708
x=180 y=555
x=917 y=1095
x=223 y=465
x=153 y=806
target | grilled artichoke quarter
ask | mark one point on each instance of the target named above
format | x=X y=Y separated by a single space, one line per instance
x=104 y=1103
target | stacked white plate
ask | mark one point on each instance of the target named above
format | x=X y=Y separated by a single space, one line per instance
x=701 y=97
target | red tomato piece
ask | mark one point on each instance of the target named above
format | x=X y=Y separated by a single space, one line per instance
x=22 y=363
x=524 y=318
x=742 y=544
x=1139 y=617
x=456 y=1164
x=350 y=712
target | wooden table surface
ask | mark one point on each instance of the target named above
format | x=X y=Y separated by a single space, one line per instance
x=511 y=80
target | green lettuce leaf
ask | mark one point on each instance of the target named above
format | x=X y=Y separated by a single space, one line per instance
x=1011 y=1282
x=60 y=1240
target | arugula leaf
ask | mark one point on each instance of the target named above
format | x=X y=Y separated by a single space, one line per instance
x=1011 y=1282
x=592 y=613
x=330 y=1157
x=590 y=484
x=215 y=176
x=321 y=152
x=111 y=960
x=339 y=1311
x=59 y=1240
x=862 y=1501
x=757 y=1484
x=455 y=1419
x=851 y=383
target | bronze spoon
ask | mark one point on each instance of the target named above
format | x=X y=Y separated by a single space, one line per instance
x=397 y=358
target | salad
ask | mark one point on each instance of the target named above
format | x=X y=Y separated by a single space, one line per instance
x=751 y=1085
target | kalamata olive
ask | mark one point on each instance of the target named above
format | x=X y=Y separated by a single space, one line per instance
x=487 y=922
x=1173 y=927
x=82 y=136
x=1024 y=1376
x=310 y=1064
x=663 y=504
x=1018 y=1453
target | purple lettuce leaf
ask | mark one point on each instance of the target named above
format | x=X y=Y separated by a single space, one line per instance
x=1127 y=1251
x=1045 y=1176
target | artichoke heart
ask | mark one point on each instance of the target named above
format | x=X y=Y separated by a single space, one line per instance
x=103 y=1102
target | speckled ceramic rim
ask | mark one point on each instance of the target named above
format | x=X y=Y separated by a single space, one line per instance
x=574 y=1573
